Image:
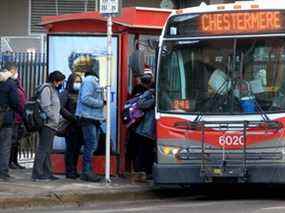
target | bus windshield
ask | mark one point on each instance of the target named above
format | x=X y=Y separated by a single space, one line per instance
x=222 y=76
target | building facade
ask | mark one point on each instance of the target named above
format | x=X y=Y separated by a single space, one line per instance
x=19 y=19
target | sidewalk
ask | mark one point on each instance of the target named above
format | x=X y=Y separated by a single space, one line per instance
x=22 y=192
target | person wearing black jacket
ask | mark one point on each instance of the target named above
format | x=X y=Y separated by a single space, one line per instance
x=9 y=104
x=140 y=147
x=132 y=145
x=73 y=134
x=145 y=130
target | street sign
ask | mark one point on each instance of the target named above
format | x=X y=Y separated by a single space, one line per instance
x=109 y=6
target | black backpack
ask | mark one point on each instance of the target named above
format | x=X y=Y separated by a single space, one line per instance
x=34 y=117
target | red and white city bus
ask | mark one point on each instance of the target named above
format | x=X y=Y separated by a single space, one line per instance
x=221 y=94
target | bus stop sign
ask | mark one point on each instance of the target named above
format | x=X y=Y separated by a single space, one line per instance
x=109 y=6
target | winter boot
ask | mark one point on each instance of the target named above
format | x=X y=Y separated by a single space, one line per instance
x=12 y=154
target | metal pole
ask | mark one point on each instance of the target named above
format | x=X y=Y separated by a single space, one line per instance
x=56 y=7
x=85 y=5
x=108 y=126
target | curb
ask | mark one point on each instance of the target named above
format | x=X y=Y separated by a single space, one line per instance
x=75 y=198
x=81 y=197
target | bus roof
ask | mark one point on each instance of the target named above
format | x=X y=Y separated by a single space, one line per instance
x=257 y=17
x=234 y=7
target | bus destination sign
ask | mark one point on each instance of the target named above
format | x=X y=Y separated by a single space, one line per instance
x=227 y=23
x=241 y=22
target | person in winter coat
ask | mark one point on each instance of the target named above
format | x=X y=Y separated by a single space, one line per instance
x=9 y=104
x=145 y=130
x=90 y=112
x=132 y=145
x=73 y=133
x=50 y=104
x=18 y=129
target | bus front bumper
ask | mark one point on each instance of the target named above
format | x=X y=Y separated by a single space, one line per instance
x=191 y=174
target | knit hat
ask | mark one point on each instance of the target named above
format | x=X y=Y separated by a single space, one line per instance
x=147 y=76
x=147 y=71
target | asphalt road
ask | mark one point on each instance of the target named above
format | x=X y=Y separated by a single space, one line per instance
x=219 y=199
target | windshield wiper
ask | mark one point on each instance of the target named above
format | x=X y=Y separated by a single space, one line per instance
x=262 y=112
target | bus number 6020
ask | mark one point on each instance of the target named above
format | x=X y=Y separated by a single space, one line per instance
x=228 y=140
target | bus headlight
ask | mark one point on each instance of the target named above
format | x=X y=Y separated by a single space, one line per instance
x=183 y=154
x=169 y=151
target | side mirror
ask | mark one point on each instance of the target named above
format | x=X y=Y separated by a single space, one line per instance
x=137 y=62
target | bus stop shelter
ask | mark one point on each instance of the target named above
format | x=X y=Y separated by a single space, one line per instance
x=128 y=28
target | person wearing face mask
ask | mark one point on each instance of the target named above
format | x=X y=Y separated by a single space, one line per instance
x=73 y=134
x=145 y=129
x=89 y=110
x=9 y=104
x=18 y=129
x=50 y=105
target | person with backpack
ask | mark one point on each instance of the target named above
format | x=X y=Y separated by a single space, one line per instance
x=89 y=110
x=9 y=104
x=50 y=106
x=131 y=116
x=18 y=129
x=73 y=133
x=145 y=129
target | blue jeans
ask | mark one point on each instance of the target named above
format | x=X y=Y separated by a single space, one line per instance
x=90 y=136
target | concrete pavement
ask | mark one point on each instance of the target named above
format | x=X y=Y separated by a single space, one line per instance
x=21 y=191
x=233 y=199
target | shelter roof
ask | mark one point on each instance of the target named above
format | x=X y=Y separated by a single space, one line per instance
x=131 y=17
